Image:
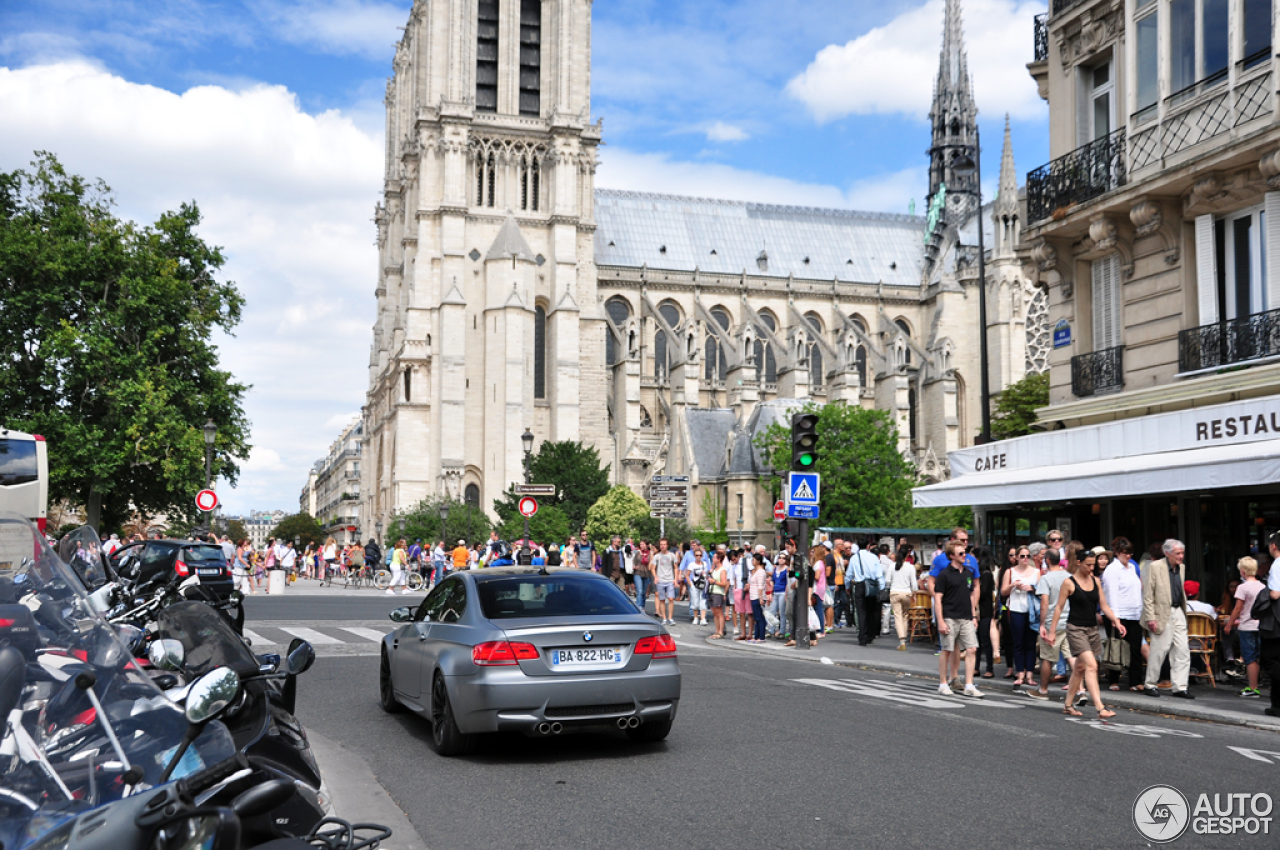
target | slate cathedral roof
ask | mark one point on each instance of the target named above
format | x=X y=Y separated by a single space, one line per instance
x=728 y=237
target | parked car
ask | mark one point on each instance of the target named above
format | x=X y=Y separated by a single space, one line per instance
x=151 y=562
x=538 y=651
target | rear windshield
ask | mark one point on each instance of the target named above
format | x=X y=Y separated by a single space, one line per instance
x=205 y=553
x=550 y=596
x=18 y=462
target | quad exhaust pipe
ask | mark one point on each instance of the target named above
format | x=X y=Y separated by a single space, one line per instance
x=628 y=722
x=545 y=728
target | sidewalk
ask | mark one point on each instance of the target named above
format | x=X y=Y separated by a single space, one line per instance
x=356 y=794
x=1220 y=705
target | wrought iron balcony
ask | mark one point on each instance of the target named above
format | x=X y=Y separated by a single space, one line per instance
x=1230 y=341
x=1042 y=36
x=1097 y=371
x=1087 y=172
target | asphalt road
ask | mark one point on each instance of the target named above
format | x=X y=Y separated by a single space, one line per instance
x=367 y=604
x=772 y=752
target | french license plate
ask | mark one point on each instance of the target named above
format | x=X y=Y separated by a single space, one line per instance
x=589 y=656
x=208 y=571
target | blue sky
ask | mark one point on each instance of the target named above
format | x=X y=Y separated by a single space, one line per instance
x=269 y=114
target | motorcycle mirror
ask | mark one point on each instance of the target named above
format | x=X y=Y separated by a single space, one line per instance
x=130 y=636
x=300 y=659
x=263 y=798
x=402 y=615
x=167 y=654
x=211 y=694
x=235 y=597
x=209 y=829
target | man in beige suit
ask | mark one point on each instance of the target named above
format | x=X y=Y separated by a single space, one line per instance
x=1164 y=615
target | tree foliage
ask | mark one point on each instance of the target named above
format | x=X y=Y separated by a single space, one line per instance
x=866 y=482
x=619 y=511
x=105 y=336
x=236 y=531
x=1015 y=411
x=576 y=472
x=716 y=516
x=677 y=531
x=423 y=521
x=548 y=525
x=302 y=527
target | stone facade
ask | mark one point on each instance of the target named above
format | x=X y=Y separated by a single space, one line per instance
x=332 y=494
x=664 y=331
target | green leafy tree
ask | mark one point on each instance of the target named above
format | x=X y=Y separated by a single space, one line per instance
x=619 y=511
x=303 y=527
x=105 y=337
x=716 y=531
x=423 y=521
x=236 y=531
x=866 y=482
x=1015 y=411
x=576 y=472
x=548 y=525
x=677 y=531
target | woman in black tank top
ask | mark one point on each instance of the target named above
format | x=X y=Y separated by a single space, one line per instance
x=1087 y=598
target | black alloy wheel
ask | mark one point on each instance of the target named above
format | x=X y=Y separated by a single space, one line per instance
x=386 y=691
x=448 y=740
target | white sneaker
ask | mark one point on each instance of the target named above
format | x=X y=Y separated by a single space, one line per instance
x=945 y=690
x=735 y=630
x=390 y=592
x=702 y=622
x=972 y=691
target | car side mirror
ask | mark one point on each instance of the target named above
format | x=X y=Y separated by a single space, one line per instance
x=402 y=615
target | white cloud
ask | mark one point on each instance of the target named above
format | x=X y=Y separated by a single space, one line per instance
x=722 y=132
x=368 y=29
x=658 y=172
x=891 y=69
x=288 y=196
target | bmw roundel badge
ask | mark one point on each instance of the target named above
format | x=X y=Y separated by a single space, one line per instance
x=587 y=637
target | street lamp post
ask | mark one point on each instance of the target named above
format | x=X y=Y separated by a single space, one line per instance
x=967 y=165
x=210 y=435
x=527 y=439
x=741 y=538
x=444 y=521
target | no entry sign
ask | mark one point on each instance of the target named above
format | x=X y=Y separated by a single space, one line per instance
x=528 y=506
x=206 y=500
x=779 y=511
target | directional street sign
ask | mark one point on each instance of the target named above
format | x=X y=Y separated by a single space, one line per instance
x=670 y=479
x=535 y=490
x=669 y=496
x=802 y=494
x=528 y=506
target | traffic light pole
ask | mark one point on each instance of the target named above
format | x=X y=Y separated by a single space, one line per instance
x=800 y=609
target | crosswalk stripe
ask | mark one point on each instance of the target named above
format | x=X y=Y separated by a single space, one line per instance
x=368 y=634
x=310 y=635
x=257 y=639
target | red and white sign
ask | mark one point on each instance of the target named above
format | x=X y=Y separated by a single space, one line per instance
x=779 y=511
x=528 y=506
x=206 y=500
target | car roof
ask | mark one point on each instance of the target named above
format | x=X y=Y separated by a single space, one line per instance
x=519 y=570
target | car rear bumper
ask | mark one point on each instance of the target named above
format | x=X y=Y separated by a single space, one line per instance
x=505 y=699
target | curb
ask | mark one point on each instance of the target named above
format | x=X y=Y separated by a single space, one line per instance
x=358 y=796
x=1143 y=705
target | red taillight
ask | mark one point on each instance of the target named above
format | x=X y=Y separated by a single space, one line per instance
x=502 y=653
x=6 y=623
x=37 y=438
x=41 y=523
x=181 y=567
x=659 y=646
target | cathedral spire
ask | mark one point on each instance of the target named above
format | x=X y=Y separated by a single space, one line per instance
x=953 y=117
x=1007 y=200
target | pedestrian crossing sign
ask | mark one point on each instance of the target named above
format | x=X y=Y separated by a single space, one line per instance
x=803 y=489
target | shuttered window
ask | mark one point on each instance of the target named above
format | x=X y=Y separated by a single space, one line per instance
x=539 y=352
x=487 y=57
x=530 y=56
x=1106 y=302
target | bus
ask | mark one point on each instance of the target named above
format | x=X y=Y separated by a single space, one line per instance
x=24 y=475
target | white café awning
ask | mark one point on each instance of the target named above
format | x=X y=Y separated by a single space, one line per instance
x=1192 y=470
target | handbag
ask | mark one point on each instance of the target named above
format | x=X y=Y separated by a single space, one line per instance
x=1264 y=611
x=1115 y=654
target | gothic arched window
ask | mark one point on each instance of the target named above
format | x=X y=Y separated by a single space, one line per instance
x=618 y=310
x=816 y=373
x=860 y=363
x=661 y=365
x=472 y=496
x=487 y=56
x=539 y=352
x=716 y=368
x=906 y=329
x=530 y=57
x=766 y=363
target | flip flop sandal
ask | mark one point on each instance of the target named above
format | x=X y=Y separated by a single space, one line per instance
x=1106 y=714
x=1071 y=712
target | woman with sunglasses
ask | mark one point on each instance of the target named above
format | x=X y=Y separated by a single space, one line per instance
x=1017 y=586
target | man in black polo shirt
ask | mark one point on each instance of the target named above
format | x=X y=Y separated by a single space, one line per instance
x=955 y=606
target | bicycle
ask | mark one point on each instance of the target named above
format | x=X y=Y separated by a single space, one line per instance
x=412 y=579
